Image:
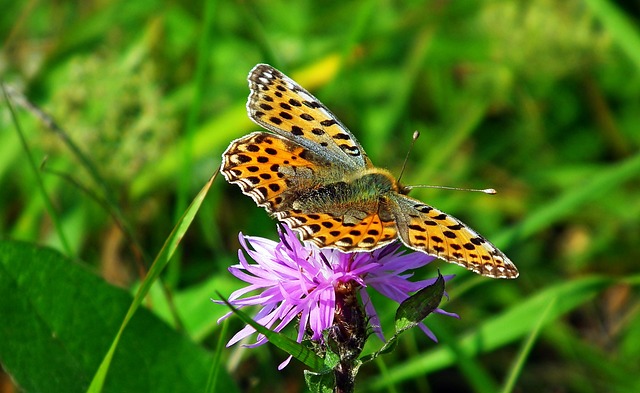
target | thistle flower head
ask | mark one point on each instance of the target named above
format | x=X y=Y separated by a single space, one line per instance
x=291 y=280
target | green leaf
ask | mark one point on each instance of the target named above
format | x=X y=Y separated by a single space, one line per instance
x=297 y=350
x=411 y=312
x=58 y=320
x=322 y=382
x=331 y=359
x=416 y=308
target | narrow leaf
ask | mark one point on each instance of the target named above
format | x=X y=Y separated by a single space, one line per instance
x=158 y=265
x=297 y=350
x=416 y=308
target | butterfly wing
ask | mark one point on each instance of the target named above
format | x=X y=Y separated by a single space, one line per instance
x=342 y=231
x=272 y=170
x=280 y=105
x=424 y=228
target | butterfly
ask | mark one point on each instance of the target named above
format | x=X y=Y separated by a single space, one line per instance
x=311 y=173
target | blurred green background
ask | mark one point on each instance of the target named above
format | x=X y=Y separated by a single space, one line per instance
x=538 y=99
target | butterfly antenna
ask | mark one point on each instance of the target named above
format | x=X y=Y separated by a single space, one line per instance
x=489 y=191
x=416 y=135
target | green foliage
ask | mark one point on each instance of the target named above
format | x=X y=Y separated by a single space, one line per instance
x=416 y=308
x=537 y=99
x=60 y=319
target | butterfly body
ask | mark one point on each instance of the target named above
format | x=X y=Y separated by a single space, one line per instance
x=312 y=174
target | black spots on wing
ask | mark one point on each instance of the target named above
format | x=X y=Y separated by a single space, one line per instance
x=329 y=123
x=271 y=151
x=469 y=246
x=351 y=150
x=267 y=98
x=430 y=223
x=275 y=120
x=355 y=233
x=262 y=159
x=286 y=115
x=477 y=240
x=417 y=228
x=347 y=240
x=263 y=138
x=420 y=238
x=281 y=88
x=449 y=234
x=313 y=216
x=486 y=257
x=335 y=233
x=294 y=102
x=274 y=187
x=242 y=158
x=312 y=104
x=315 y=228
x=342 y=136
x=253 y=180
x=327 y=224
x=317 y=131
x=368 y=241
x=304 y=154
x=437 y=239
x=278 y=94
x=253 y=148
x=265 y=176
x=295 y=130
x=456 y=227
x=265 y=106
x=457 y=255
x=440 y=217
x=253 y=169
x=373 y=232
x=455 y=246
x=423 y=208
x=285 y=106
x=438 y=249
x=306 y=116
x=263 y=191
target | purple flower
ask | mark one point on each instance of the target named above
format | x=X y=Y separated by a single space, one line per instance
x=293 y=279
